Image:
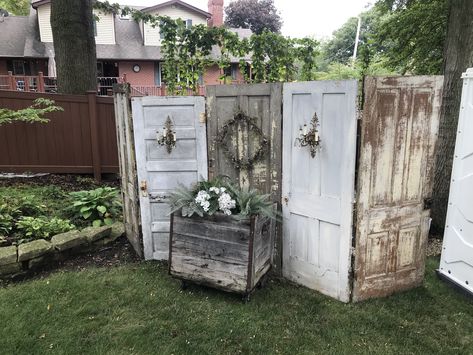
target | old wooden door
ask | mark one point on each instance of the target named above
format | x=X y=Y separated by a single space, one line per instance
x=456 y=263
x=263 y=103
x=127 y=159
x=398 y=135
x=160 y=172
x=318 y=193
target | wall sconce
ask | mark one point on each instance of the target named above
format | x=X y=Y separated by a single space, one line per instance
x=167 y=137
x=310 y=137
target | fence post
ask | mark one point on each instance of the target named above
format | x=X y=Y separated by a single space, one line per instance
x=40 y=82
x=11 y=81
x=94 y=134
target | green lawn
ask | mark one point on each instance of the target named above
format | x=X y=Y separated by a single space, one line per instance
x=139 y=309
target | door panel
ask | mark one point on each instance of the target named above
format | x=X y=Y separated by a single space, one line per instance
x=163 y=171
x=318 y=192
x=456 y=263
x=399 y=131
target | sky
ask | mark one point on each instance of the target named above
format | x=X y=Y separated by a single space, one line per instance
x=318 y=18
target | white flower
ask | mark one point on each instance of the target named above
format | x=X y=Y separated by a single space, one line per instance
x=226 y=204
x=215 y=189
x=202 y=199
x=222 y=190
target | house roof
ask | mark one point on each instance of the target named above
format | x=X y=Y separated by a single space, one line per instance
x=179 y=3
x=13 y=32
x=19 y=37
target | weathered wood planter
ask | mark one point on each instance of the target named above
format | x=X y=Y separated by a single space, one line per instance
x=220 y=252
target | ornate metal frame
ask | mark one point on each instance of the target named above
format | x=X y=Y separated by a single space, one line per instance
x=168 y=136
x=310 y=137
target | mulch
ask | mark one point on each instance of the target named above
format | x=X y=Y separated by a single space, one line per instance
x=69 y=182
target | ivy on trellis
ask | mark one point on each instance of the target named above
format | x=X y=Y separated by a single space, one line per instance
x=267 y=57
x=223 y=140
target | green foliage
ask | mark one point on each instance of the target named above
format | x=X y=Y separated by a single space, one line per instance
x=100 y=206
x=32 y=114
x=42 y=227
x=16 y=7
x=187 y=51
x=7 y=219
x=257 y=15
x=219 y=196
x=413 y=34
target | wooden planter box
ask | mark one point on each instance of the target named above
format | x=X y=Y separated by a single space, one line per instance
x=220 y=252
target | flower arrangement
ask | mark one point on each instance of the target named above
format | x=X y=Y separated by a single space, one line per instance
x=219 y=196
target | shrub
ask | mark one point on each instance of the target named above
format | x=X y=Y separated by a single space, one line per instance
x=42 y=227
x=100 y=206
x=7 y=219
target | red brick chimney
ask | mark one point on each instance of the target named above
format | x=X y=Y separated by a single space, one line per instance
x=216 y=9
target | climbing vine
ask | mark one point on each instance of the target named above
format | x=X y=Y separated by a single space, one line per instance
x=187 y=52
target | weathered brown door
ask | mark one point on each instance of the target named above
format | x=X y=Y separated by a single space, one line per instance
x=398 y=135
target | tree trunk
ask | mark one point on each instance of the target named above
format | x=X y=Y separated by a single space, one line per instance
x=458 y=57
x=72 y=23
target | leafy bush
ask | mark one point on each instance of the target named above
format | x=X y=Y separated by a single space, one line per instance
x=219 y=196
x=101 y=206
x=7 y=219
x=42 y=227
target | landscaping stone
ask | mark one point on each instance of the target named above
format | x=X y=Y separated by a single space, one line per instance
x=34 y=249
x=7 y=255
x=96 y=233
x=38 y=262
x=118 y=230
x=69 y=240
x=10 y=269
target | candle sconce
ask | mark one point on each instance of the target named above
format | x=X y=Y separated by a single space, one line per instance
x=168 y=136
x=309 y=137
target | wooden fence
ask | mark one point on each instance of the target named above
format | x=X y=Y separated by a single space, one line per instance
x=81 y=139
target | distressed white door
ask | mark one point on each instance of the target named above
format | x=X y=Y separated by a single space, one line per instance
x=318 y=192
x=456 y=263
x=398 y=136
x=160 y=172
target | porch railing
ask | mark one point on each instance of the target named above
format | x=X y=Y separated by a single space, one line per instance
x=47 y=84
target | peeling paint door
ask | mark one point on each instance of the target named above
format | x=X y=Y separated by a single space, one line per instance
x=160 y=172
x=318 y=193
x=398 y=136
x=456 y=263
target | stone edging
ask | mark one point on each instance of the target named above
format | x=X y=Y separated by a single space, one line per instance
x=30 y=256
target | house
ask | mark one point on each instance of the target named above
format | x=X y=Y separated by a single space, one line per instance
x=125 y=47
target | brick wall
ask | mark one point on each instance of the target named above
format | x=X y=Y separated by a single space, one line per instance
x=212 y=76
x=3 y=67
x=144 y=77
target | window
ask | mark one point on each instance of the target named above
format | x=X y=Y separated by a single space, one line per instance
x=232 y=71
x=18 y=67
x=188 y=24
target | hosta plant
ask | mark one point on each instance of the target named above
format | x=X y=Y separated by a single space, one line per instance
x=100 y=206
x=42 y=227
x=219 y=196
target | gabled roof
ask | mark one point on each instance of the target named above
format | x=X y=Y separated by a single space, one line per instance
x=179 y=3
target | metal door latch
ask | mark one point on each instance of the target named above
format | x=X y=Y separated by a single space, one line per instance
x=158 y=198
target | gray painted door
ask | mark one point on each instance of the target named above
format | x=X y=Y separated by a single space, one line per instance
x=160 y=172
x=318 y=192
x=457 y=254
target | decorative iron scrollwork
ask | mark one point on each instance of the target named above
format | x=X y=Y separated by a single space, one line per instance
x=310 y=137
x=168 y=136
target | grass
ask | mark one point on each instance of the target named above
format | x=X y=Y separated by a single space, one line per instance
x=139 y=309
